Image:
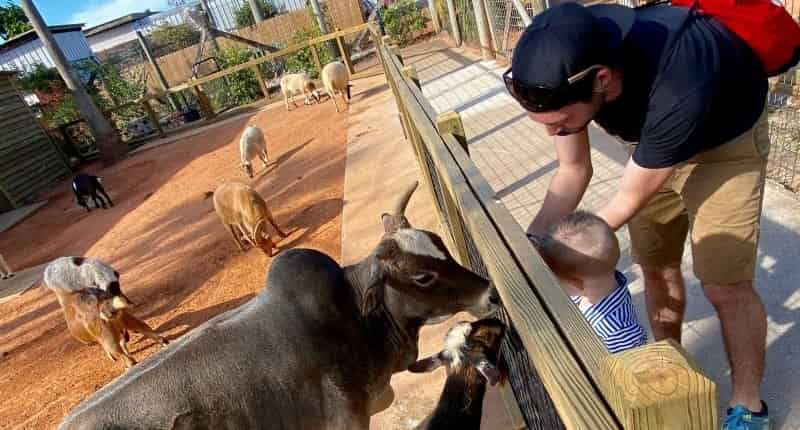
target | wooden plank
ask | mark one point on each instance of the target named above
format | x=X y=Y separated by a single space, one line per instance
x=345 y=55
x=315 y=54
x=151 y=114
x=205 y=104
x=261 y=84
x=659 y=387
x=573 y=392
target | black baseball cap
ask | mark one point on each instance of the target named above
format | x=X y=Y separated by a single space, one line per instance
x=566 y=39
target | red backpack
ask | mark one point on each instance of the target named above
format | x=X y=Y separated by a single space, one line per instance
x=764 y=25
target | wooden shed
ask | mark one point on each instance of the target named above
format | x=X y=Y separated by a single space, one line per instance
x=29 y=160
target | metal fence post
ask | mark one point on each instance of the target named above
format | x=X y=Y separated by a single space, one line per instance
x=484 y=35
x=451 y=11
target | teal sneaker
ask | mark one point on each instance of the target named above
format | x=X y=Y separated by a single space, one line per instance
x=741 y=418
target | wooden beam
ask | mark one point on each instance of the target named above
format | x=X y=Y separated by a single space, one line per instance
x=345 y=55
x=261 y=83
x=153 y=117
x=315 y=54
x=162 y=81
x=450 y=123
x=658 y=386
x=205 y=104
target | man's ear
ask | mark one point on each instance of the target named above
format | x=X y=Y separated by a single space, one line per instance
x=601 y=79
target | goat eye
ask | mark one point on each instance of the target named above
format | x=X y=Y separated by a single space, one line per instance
x=423 y=279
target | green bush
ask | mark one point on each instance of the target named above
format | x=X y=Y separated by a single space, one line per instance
x=167 y=38
x=237 y=88
x=401 y=20
x=303 y=60
x=244 y=16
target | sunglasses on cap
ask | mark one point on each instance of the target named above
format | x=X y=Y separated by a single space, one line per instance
x=542 y=98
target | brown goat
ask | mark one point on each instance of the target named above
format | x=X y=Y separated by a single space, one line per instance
x=245 y=215
x=97 y=316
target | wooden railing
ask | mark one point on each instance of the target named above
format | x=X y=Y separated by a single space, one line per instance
x=562 y=376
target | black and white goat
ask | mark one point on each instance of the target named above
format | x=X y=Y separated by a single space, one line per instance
x=85 y=185
x=471 y=352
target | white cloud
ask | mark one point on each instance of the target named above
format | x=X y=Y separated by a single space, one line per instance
x=96 y=12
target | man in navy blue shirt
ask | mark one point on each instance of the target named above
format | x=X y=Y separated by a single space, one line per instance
x=690 y=96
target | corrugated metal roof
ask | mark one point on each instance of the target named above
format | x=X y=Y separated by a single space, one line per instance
x=114 y=23
x=31 y=35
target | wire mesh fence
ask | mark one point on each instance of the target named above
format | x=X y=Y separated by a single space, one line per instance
x=506 y=23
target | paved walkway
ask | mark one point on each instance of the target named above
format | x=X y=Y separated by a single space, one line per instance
x=518 y=160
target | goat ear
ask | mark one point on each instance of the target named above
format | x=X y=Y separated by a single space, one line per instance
x=389 y=223
x=489 y=371
x=426 y=365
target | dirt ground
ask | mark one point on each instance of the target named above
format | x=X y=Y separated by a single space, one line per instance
x=176 y=260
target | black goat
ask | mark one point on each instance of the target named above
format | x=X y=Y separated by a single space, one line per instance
x=85 y=185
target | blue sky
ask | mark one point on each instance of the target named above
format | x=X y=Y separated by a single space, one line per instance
x=92 y=12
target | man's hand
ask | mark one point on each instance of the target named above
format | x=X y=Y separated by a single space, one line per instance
x=569 y=183
x=638 y=185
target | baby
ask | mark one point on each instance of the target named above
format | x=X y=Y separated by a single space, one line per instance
x=583 y=252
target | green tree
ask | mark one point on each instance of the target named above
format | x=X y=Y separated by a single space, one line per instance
x=303 y=60
x=244 y=16
x=167 y=38
x=401 y=20
x=238 y=88
x=12 y=21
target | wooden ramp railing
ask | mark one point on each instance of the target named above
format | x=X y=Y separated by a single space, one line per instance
x=561 y=375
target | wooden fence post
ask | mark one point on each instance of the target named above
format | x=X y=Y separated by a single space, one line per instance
x=205 y=104
x=450 y=123
x=410 y=72
x=152 y=115
x=345 y=55
x=261 y=82
x=657 y=386
x=316 y=57
x=162 y=81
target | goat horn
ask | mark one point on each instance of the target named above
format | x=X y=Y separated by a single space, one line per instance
x=400 y=209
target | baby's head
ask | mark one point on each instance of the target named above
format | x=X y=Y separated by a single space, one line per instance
x=580 y=247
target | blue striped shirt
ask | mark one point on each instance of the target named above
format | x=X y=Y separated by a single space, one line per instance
x=614 y=318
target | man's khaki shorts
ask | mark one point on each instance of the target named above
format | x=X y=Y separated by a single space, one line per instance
x=717 y=195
